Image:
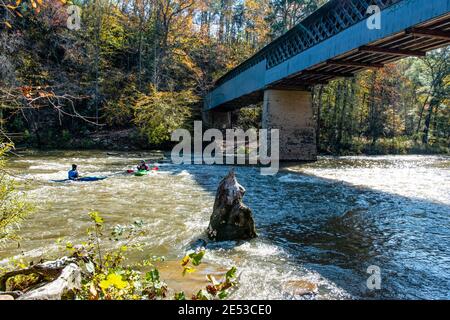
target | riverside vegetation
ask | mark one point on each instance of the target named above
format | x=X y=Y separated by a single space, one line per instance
x=104 y=273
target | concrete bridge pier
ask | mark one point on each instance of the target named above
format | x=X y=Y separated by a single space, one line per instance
x=291 y=112
x=217 y=119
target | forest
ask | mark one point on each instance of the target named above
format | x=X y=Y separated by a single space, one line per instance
x=137 y=69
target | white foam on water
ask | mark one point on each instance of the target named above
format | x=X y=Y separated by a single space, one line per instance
x=31 y=254
x=260 y=249
x=176 y=208
x=61 y=167
x=298 y=178
x=184 y=173
x=269 y=276
x=408 y=182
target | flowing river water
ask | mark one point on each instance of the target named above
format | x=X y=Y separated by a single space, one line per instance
x=320 y=225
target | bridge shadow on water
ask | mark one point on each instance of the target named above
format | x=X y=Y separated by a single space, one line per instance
x=339 y=230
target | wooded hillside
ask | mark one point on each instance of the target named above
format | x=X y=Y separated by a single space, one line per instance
x=141 y=67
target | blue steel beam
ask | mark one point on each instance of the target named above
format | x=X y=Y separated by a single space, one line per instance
x=308 y=48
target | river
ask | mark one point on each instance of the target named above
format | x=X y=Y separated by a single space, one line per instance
x=320 y=225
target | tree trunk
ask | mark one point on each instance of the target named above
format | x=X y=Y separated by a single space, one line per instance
x=333 y=131
x=66 y=275
x=351 y=127
x=319 y=110
x=62 y=287
x=373 y=117
x=421 y=114
x=231 y=219
x=341 y=119
x=426 y=130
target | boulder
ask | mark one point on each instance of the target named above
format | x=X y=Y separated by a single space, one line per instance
x=301 y=287
x=231 y=219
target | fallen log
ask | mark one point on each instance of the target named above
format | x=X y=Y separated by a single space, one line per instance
x=62 y=287
x=14 y=294
x=231 y=219
x=49 y=269
x=61 y=277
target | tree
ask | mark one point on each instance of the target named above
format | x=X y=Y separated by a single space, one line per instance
x=285 y=14
x=126 y=47
x=438 y=69
x=159 y=113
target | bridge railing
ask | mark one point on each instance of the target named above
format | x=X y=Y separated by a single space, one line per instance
x=330 y=19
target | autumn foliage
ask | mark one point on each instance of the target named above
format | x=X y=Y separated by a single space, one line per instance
x=147 y=64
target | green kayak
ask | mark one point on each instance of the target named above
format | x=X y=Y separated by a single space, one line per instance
x=141 y=173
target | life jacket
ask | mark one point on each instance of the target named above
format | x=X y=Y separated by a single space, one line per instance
x=144 y=167
x=73 y=174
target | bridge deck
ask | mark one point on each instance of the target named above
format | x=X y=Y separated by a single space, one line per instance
x=409 y=28
x=414 y=42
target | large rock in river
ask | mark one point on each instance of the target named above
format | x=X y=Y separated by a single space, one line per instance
x=231 y=219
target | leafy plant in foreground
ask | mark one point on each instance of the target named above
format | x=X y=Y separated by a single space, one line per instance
x=13 y=207
x=107 y=277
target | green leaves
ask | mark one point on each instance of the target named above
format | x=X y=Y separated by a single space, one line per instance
x=215 y=289
x=109 y=278
x=127 y=232
x=117 y=232
x=96 y=218
x=231 y=274
x=14 y=207
x=180 y=296
x=195 y=258
x=221 y=289
x=202 y=295
x=223 y=295
x=154 y=287
x=153 y=275
x=159 y=113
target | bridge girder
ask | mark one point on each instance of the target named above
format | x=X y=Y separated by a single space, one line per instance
x=407 y=31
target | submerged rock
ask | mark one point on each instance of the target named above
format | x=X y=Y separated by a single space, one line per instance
x=231 y=219
x=301 y=287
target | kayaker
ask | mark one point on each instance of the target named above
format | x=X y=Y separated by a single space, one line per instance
x=73 y=174
x=143 y=166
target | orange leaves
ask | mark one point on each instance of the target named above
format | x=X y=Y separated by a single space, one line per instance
x=13 y=8
x=43 y=94
x=34 y=4
x=28 y=92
